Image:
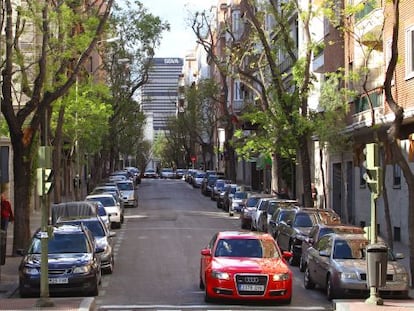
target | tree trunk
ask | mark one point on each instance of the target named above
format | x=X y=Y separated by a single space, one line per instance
x=306 y=171
x=325 y=205
x=57 y=150
x=388 y=224
x=22 y=189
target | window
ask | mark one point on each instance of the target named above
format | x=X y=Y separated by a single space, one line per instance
x=409 y=53
x=362 y=103
x=362 y=181
x=237 y=27
x=396 y=176
x=238 y=92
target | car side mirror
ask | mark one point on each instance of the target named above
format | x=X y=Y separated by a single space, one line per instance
x=287 y=255
x=289 y=222
x=206 y=252
x=99 y=249
x=399 y=256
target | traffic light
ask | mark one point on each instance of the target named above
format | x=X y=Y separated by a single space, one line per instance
x=373 y=175
x=44 y=180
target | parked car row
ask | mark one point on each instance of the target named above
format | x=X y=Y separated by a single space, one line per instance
x=80 y=249
x=80 y=243
x=331 y=254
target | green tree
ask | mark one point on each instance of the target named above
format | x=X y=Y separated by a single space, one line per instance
x=127 y=65
x=278 y=73
x=80 y=121
x=208 y=36
x=33 y=79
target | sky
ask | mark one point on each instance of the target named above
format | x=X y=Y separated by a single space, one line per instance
x=180 y=39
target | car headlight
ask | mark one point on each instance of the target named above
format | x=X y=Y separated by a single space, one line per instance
x=31 y=271
x=402 y=277
x=349 y=275
x=82 y=269
x=281 y=277
x=220 y=275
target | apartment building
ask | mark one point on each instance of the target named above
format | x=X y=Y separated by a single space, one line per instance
x=159 y=95
x=367 y=45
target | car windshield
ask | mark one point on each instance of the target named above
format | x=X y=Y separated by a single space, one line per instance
x=240 y=195
x=106 y=201
x=251 y=248
x=304 y=220
x=327 y=217
x=123 y=186
x=93 y=226
x=219 y=184
x=349 y=249
x=251 y=202
x=101 y=210
x=61 y=243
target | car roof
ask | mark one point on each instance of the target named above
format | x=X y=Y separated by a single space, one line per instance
x=100 y=195
x=243 y=235
x=347 y=236
x=63 y=229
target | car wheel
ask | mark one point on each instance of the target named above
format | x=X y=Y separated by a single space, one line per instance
x=294 y=259
x=110 y=269
x=302 y=264
x=95 y=290
x=307 y=281
x=330 y=291
x=201 y=285
x=207 y=297
x=24 y=294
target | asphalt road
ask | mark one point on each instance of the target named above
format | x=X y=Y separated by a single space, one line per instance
x=158 y=253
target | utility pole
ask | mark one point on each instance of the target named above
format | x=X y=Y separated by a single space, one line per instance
x=44 y=173
x=376 y=254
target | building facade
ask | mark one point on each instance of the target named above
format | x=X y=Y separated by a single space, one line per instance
x=159 y=95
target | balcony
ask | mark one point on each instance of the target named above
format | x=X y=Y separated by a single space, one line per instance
x=369 y=27
x=363 y=119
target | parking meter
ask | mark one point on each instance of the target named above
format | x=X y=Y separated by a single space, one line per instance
x=377 y=257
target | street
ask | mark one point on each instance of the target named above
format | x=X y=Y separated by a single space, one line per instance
x=158 y=253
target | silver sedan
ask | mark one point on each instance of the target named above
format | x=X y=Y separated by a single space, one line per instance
x=337 y=263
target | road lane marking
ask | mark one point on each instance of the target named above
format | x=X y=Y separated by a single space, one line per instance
x=208 y=307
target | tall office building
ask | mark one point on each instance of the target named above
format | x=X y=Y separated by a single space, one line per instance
x=159 y=95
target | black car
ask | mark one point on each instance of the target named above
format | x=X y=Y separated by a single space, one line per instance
x=73 y=262
x=295 y=230
x=272 y=206
x=281 y=215
x=103 y=238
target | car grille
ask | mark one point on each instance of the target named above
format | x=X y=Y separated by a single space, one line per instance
x=390 y=277
x=60 y=271
x=256 y=280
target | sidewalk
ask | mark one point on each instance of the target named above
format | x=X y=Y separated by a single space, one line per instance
x=9 y=281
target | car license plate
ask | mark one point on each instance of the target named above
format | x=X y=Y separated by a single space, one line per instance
x=251 y=288
x=58 y=281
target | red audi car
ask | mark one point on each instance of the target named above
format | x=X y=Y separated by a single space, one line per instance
x=244 y=265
